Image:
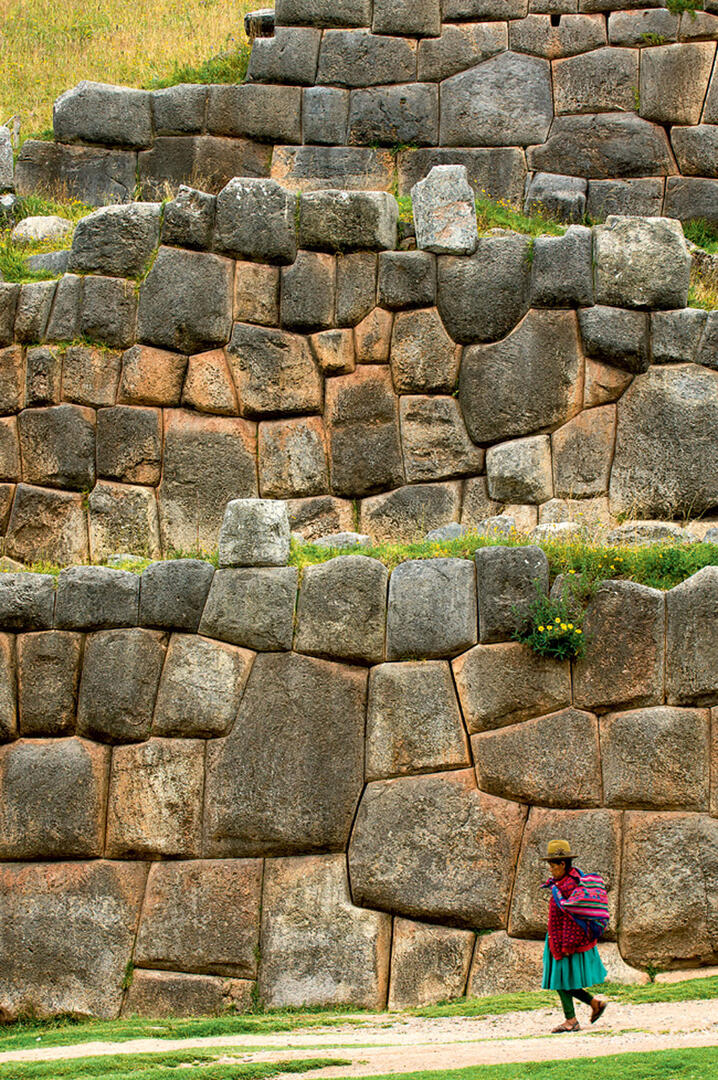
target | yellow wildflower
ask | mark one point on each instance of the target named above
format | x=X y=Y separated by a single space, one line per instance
x=541 y=628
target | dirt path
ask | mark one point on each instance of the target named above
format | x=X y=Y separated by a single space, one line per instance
x=400 y=1044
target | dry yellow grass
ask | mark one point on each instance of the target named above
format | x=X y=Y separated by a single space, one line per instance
x=47 y=46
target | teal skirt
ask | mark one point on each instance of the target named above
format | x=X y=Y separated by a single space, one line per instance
x=572 y=972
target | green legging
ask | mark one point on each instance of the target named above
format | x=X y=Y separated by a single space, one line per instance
x=567 y=997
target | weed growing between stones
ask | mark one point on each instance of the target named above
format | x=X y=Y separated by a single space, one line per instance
x=552 y=626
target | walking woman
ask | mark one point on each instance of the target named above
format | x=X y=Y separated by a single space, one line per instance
x=571 y=961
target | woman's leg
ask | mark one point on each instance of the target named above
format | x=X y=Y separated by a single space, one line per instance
x=570 y=1023
x=581 y=995
x=598 y=1006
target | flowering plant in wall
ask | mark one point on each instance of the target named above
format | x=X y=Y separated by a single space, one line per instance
x=552 y=624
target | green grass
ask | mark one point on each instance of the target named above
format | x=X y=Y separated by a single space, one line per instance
x=224 y=67
x=684 y=1064
x=13 y=256
x=498 y=214
x=159 y=1066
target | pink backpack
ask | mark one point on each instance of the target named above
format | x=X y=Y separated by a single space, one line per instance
x=587 y=905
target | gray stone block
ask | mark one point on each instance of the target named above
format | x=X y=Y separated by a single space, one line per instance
x=325 y=114
x=642 y=198
x=583 y=454
x=201 y=688
x=205 y=161
x=498 y=173
x=348 y=220
x=338 y=541
x=9 y=296
x=508 y=580
x=691 y=197
x=170 y=313
x=356 y=287
x=292 y=458
x=109 y=311
x=637 y=28
x=354 y=58
x=505 y=101
x=47 y=524
x=406 y=279
x=603 y=146
x=96 y=598
x=58 y=446
x=65 y=317
x=452 y=531
x=255 y=532
x=458 y=48
x=708 y=351
x=575 y=34
x=562 y=269
x=482 y=298
x=189 y=219
x=256 y=220
x=445 y=212
x=289 y=775
x=274 y=372
x=173 y=594
x=100 y=113
x=434 y=439
x=391 y=115
x=123 y=518
x=289 y=56
x=616 y=336
x=33 y=311
x=320 y=168
x=129 y=661
x=6 y=160
x=599 y=81
x=404 y=515
x=362 y=421
x=642 y=263
x=268 y=113
x=308 y=292
x=519 y=471
x=341 y=611
x=116 y=240
x=49 y=262
x=529 y=381
x=179 y=110
x=675 y=336
x=432 y=609
x=252 y=608
x=324 y=13
x=424 y=359
x=48 y=666
x=674 y=81
x=691 y=644
x=92 y=174
x=468 y=10
x=413 y=721
x=562 y=197
x=129 y=444
x=27 y=601
x=696 y=149
x=420 y=18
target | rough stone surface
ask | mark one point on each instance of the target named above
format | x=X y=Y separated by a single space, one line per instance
x=109 y=311
x=255 y=220
x=536 y=34
x=498 y=172
x=691 y=640
x=642 y=263
x=668 y=851
x=325 y=112
x=208 y=386
x=356 y=286
x=58 y=446
x=8 y=707
x=253 y=608
x=428 y=963
x=130 y=661
x=358 y=58
x=27 y=601
x=623 y=664
x=123 y=517
x=689 y=197
x=695 y=149
x=505 y=101
x=407 y=113
x=562 y=197
x=155 y=799
x=274 y=795
x=170 y=993
x=504 y=965
x=484 y=297
x=562 y=269
x=33 y=310
x=334 y=351
x=663 y=465
x=642 y=197
x=596 y=836
x=67 y=942
x=616 y=336
x=201 y=687
x=256 y=293
x=519 y=471
x=656 y=759
x=116 y=240
x=100 y=113
x=582 y=453
x=189 y=219
x=341 y=611
x=274 y=371
x=96 y=598
x=435 y=847
x=675 y=335
x=674 y=81
x=404 y=515
x=599 y=81
x=48 y=667
x=348 y=221
x=255 y=111
x=459 y=47
x=48 y=525
x=173 y=594
x=508 y=683
x=52 y=798
x=293 y=458
x=129 y=444
x=406 y=279
x=549 y=761
x=169 y=314
x=444 y=212
x=151 y=377
x=95 y=175
x=507 y=580
x=317 y=948
x=372 y=337
x=413 y=722
x=202 y=916
x=432 y=609
x=424 y=359
x=289 y=56
x=361 y=412
x=603 y=146
x=255 y=532
x=320 y=168
x=529 y=381
x=434 y=439
x=90 y=376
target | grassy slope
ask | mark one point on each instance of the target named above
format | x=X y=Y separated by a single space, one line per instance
x=48 y=47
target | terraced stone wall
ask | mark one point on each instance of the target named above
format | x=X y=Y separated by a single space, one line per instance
x=218 y=786
x=265 y=343
x=620 y=106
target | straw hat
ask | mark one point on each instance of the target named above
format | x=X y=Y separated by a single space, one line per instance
x=557 y=850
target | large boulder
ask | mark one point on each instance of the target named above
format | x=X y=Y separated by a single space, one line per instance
x=508 y=580
x=432 y=609
x=504 y=965
x=603 y=146
x=428 y=963
x=274 y=371
x=186 y=301
x=58 y=446
x=407 y=513
x=413 y=721
x=641 y=262
x=445 y=212
x=435 y=847
x=252 y=607
x=341 y=611
x=505 y=101
x=664 y=463
x=288 y=777
x=68 y=934
x=582 y=453
x=691 y=640
x=256 y=220
x=130 y=661
x=317 y=947
x=116 y=240
x=508 y=683
x=674 y=81
x=46 y=524
x=255 y=532
x=529 y=381
x=173 y=993
x=96 y=112
x=483 y=297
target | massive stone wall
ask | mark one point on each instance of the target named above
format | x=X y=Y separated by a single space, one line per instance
x=262 y=342
x=624 y=100
x=338 y=790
